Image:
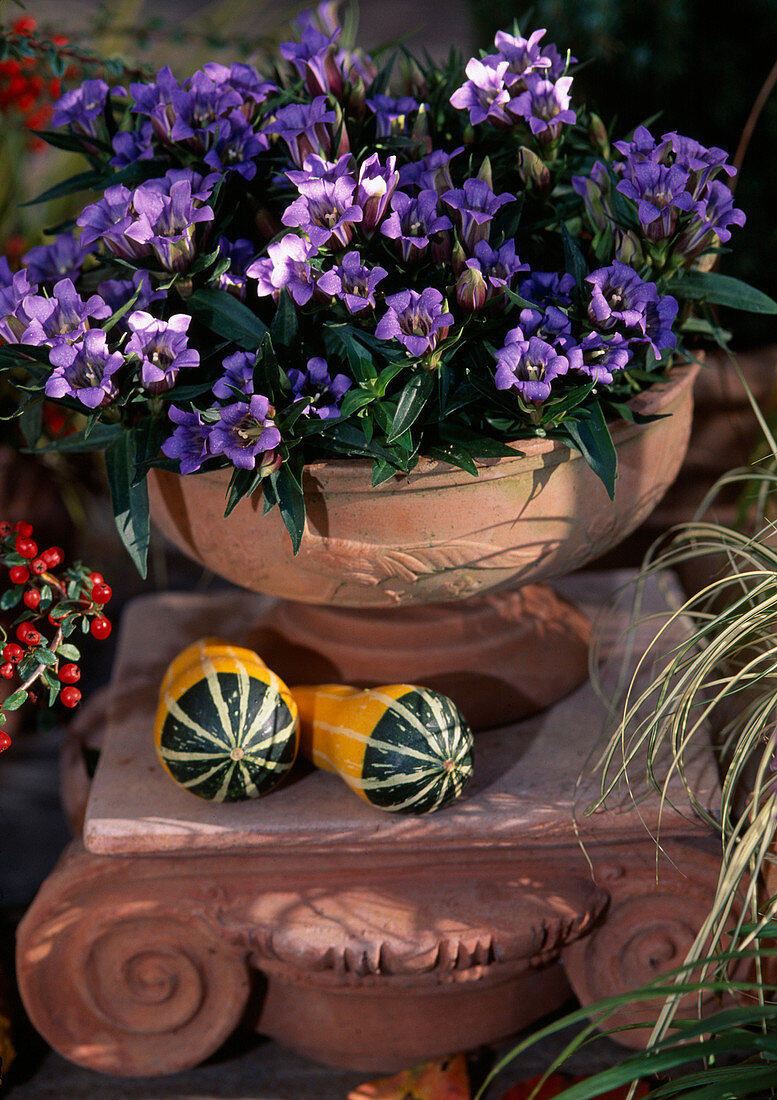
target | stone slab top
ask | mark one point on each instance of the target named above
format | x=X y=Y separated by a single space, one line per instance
x=532 y=781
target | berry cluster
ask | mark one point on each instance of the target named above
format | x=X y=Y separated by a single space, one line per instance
x=25 y=89
x=52 y=597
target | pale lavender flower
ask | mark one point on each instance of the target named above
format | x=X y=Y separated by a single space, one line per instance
x=63 y=258
x=474 y=207
x=108 y=220
x=600 y=357
x=485 y=93
x=375 y=188
x=84 y=370
x=199 y=107
x=323 y=393
x=245 y=432
x=712 y=215
x=286 y=266
x=304 y=128
x=238 y=376
x=188 y=443
x=529 y=366
x=701 y=164
x=62 y=318
x=391 y=115
x=325 y=211
x=544 y=106
x=166 y=223
x=621 y=299
x=162 y=347
x=499 y=266
x=14 y=291
x=416 y=320
x=413 y=222
x=523 y=55
x=437 y=170
x=352 y=282
x=246 y=81
x=317 y=168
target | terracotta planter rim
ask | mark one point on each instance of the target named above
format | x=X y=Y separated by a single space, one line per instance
x=354 y=474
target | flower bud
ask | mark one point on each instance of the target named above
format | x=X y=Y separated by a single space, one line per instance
x=629 y=249
x=458 y=258
x=597 y=133
x=471 y=288
x=485 y=174
x=533 y=171
x=420 y=132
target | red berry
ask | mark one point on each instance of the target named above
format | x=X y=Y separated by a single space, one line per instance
x=56 y=615
x=26 y=548
x=38 y=566
x=101 y=593
x=7 y=670
x=5 y=528
x=23 y=629
x=23 y=530
x=13 y=652
x=19 y=574
x=96 y=578
x=31 y=638
x=31 y=598
x=5 y=741
x=70 y=696
x=69 y=674
x=100 y=627
x=54 y=556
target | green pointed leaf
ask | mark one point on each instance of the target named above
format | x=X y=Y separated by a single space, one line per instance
x=226 y=316
x=591 y=436
x=84 y=181
x=241 y=484
x=354 y=400
x=13 y=702
x=574 y=260
x=129 y=498
x=31 y=422
x=11 y=597
x=291 y=502
x=100 y=437
x=721 y=290
x=455 y=455
x=71 y=652
x=410 y=403
x=285 y=325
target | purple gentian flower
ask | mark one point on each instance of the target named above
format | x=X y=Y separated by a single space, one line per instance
x=523 y=55
x=619 y=297
x=416 y=320
x=166 y=223
x=246 y=81
x=188 y=443
x=551 y=324
x=14 y=291
x=436 y=172
x=62 y=318
x=499 y=266
x=84 y=370
x=485 y=93
x=548 y=287
x=375 y=188
x=660 y=193
x=130 y=146
x=712 y=216
x=600 y=357
x=529 y=366
x=323 y=393
x=474 y=207
x=352 y=282
x=701 y=164
x=238 y=376
x=82 y=108
x=162 y=347
x=236 y=146
x=317 y=168
x=303 y=126
x=156 y=101
x=314 y=59
x=391 y=114
x=412 y=223
x=325 y=211
x=108 y=220
x=285 y=266
x=239 y=253
x=244 y=432
x=544 y=106
x=63 y=258
x=199 y=107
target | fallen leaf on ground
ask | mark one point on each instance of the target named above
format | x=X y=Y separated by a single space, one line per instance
x=440 y=1079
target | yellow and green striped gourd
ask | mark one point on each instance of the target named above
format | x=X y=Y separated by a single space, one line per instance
x=226 y=726
x=400 y=747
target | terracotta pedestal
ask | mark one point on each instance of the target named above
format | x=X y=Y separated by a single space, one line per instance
x=359 y=938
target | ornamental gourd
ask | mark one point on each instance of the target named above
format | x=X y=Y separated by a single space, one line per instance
x=399 y=747
x=226 y=726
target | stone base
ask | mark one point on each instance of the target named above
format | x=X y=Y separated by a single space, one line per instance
x=359 y=938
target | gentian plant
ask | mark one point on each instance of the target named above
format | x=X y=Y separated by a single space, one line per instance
x=310 y=263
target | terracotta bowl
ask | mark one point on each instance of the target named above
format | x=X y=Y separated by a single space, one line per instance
x=437 y=534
